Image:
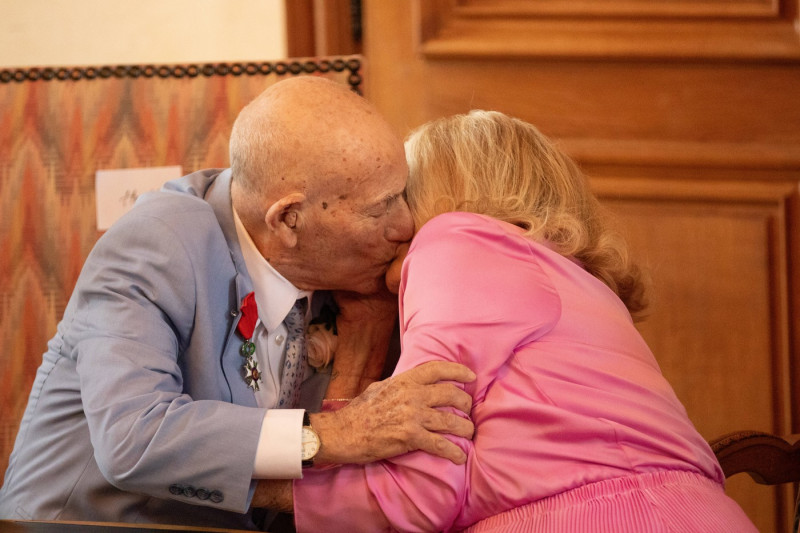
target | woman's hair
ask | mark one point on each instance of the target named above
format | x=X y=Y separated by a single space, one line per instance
x=489 y=163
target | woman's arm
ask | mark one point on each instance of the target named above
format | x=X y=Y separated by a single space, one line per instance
x=365 y=325
x=460 y=280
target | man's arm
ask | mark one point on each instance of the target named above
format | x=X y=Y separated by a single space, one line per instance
x=274 y=494
x=134 y=311
x=390 y=418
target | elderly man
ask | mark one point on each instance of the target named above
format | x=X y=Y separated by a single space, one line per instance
x=154 y=402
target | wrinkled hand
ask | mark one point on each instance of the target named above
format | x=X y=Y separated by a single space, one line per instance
x=399 y=415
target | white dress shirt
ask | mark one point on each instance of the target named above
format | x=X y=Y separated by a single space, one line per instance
x=278 y=455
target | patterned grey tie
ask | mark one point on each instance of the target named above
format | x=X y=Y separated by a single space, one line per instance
x=295 y=360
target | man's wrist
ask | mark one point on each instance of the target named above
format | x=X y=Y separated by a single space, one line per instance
x=310 y=442
x=331 y=446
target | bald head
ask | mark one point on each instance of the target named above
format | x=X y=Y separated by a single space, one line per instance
x=318 y=180
x=304 y=134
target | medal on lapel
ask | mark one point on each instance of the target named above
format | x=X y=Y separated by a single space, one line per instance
x=246 y=327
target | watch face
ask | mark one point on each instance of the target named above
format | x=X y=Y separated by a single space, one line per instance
x=310 y=444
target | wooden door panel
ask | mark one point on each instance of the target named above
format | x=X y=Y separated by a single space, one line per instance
x=685 y=114
x=613 y=101
x=711 y=29
x=720 y=255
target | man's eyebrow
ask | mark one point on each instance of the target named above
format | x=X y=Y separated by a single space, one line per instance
x=384 y=202
x=390 y=197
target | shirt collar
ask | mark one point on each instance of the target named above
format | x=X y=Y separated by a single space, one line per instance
x=275 y=295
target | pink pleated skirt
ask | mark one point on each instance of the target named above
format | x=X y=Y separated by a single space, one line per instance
x=670 y=501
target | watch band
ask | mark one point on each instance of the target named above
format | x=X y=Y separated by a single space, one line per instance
x=308 y=463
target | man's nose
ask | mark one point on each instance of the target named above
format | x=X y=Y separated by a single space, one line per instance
x=401 y=225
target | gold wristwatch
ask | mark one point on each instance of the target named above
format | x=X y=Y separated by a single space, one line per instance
x=309 y=441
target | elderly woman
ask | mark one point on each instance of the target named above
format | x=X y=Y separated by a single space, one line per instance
x=514 y=273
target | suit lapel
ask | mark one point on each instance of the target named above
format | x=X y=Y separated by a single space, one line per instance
x=218 y=196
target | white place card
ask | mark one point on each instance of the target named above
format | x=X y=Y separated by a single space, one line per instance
x=117 y=189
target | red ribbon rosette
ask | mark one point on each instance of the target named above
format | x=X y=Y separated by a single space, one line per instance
x=247 y=324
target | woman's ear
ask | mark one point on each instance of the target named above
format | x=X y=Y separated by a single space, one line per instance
x=282 y=217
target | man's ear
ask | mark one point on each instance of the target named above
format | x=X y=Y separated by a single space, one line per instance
x=282 y=217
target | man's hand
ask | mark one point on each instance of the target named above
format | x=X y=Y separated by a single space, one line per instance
x=399 y=415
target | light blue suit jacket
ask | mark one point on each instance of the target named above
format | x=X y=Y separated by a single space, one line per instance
x=139 y=412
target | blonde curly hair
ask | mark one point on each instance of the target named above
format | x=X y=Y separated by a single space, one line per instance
x=489 y=163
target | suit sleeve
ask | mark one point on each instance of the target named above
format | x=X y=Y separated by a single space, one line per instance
x=134 y=317
x=461 y=280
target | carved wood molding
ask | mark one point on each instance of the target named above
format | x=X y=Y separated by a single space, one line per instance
x=744 y=30
x=727 y=156
x=779 y=194
x=615 y=8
